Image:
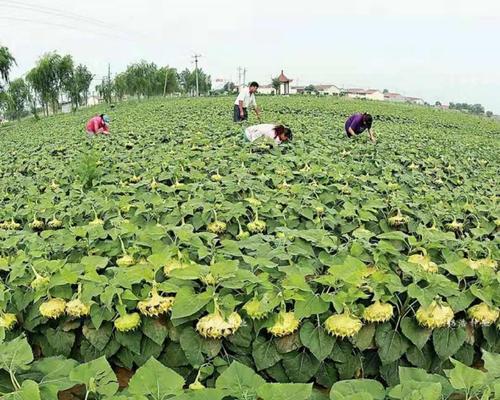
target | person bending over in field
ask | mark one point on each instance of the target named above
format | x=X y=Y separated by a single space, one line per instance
x=277 y=133
x=357 y=124
x=246 y=99
x=98 y=125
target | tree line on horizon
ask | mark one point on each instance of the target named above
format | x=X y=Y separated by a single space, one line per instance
x=56 y=79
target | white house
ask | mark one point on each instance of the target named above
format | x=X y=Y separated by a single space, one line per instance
x=367 y=94
x=415 y=100
x=328 y=89
x=396 y=97
x=267 y=89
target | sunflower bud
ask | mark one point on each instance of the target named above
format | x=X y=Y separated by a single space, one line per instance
x=174 y=264
x=455 y=226
x=253 y=201
x=483 y=262
x=216 y=178
x=127 y=322
x=196 y=385
x=242 y=235
x=436 y=315
x=125 y=261
x=8 y=321
x=343 y=325
x=55 y=223
x=378 y=312
x=397 y=220
x=39 y=282
x=53 y=308
x=155 y=305
x=96 y=221
x=483 y=314
x=135 y=179
x=37 y=225
x=423 y=261
x=209 y=279
x=284 y=325
x=253 y=309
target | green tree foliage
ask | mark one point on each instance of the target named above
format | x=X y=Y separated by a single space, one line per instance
x=7 y=61
x=145 y=79
x=310 y=89
x=17 y=97
x=187 y=80
x=465 y=107
x=276 y=84
x=76 y=83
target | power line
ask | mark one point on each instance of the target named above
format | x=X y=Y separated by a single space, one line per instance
x=57 y=12
x=73 y=28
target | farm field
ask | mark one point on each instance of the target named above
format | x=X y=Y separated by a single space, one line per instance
x=174 y=260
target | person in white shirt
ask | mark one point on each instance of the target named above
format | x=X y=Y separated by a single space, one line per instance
x=245 y=100
x=278 y=133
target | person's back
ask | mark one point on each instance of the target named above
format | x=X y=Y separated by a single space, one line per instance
x=277 y=133
x=98 y=124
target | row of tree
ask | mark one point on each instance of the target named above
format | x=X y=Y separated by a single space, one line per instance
x=56 y=78
x=143 y=80
x=477 y=109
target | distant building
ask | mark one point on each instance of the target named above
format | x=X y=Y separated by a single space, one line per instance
x=284 y=84
x=367 y=94
x=297 y=89
x=267 y=89
x=396 y=97
x=328 y=89
x=415 y=100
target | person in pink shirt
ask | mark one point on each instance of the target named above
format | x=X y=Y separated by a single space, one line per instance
x=98 y=124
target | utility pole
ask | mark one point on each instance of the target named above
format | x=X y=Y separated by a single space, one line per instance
x=196 y=56
x=244 y=76
x=165 y=86
x=239 y=76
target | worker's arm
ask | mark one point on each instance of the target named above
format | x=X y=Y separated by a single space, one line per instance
x=351 y=132
x=372 y=135
x=240 y=105
x=257 y=112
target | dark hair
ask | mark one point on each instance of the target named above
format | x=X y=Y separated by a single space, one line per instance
x=102 y=115
x=367 y=120
x=254 y=84
x=283 y=130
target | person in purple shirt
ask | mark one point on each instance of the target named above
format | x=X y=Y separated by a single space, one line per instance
x=358 y=123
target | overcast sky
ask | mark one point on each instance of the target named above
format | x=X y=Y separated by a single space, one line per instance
x=445 y=50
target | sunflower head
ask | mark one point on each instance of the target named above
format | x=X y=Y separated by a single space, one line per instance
x=55 y=223
x=127 y=322
x=343 y=325
x=285 y=324
x=8 y=321
x=424 y=262
x=217 y=227
x=483 y=314
x=155 y=305
x=256 y=226
x=215 y=326
x=378 y=312
x=76 y=308
x=436 y=315
x=253 y=309
x=39 y=282
x=53 y=308
x=125 y=261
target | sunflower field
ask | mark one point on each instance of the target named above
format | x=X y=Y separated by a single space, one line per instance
x=174 y=260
